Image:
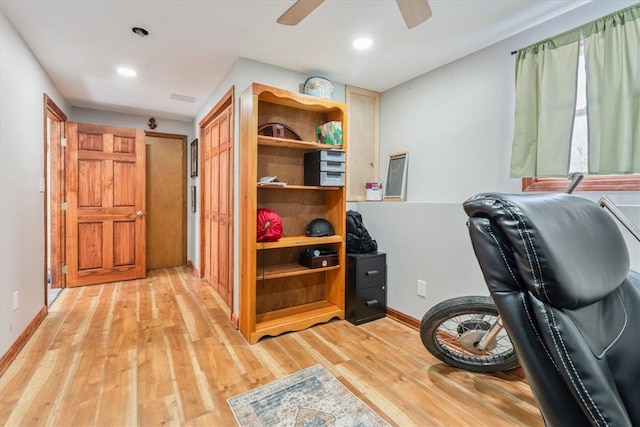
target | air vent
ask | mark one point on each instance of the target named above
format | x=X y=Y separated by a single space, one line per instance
x=185 y=98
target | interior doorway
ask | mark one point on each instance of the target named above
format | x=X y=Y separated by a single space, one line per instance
x=53 y=173
x=166 y=200
x=163 y=159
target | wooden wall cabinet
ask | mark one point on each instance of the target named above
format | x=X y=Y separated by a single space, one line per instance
x=277 y=294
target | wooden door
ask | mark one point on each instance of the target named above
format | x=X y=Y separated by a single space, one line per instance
x=217 y=202
x=106 y=204
x=206 y=202
x=166 y=200
x=224 y=161
x=214 y=194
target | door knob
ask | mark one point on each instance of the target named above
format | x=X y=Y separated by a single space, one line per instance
x=140 y=213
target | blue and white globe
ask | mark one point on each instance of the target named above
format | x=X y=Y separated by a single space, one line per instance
x=319 y=87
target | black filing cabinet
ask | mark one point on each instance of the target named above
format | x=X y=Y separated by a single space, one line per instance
x=366 y=287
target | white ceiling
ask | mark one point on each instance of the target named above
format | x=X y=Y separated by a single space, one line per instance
x=192 y=44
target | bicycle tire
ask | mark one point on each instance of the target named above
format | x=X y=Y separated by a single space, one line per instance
x=444 y=325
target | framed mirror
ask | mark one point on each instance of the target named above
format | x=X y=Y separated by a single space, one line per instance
x=396 y=183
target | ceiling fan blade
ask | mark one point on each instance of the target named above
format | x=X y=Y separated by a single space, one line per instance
x=414 y=12
x=298 y=11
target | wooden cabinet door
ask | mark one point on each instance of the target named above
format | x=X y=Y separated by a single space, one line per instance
x=218 y=194
x=224 y=206
x=214 y=184
x=206 y=201
x=105 y=204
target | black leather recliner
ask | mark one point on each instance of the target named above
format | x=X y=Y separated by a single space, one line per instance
x=557 y=268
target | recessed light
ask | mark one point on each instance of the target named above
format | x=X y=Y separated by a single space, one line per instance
x=124 y=71
x=362 y=43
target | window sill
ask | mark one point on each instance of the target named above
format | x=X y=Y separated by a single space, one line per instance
x=589 y=183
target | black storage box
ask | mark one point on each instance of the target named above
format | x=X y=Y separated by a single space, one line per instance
x=318 y=261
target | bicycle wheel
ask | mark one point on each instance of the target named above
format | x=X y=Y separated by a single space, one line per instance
x=452 y=329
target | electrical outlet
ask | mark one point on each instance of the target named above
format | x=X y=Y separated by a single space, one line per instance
x=15 y=300
x=422 y=288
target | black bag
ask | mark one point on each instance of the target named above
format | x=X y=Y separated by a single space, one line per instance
x=358 y=239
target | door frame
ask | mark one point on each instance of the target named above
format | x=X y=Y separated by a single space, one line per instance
x=184 y=185
x=56 y=218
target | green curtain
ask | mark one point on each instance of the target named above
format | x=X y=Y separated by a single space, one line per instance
x=612 y=58
x=546 y=84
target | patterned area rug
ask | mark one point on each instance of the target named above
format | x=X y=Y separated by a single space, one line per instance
x=311 y=397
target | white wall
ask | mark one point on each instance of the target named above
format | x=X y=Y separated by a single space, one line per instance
x=109 y=118
x=243 y=73
x=22 y=84
x=457 y=124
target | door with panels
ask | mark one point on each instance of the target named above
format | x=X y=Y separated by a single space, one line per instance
x=217 y=201
x=106 y=204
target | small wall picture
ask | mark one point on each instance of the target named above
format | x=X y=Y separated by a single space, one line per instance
x=396 y=185
x=193 y=198
x=194 y=158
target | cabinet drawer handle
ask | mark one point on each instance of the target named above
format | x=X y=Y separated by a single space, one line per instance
x=372 y=302
x=371 y=272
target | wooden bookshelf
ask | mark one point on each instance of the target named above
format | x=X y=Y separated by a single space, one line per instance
x=276 y=293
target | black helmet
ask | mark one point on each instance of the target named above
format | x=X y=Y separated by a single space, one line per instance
x=319 y=227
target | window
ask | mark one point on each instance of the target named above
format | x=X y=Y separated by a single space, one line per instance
x=579 y=139
x=550 y=126
x=579 y=152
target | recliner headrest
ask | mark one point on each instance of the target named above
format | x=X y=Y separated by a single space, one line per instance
x=572 y=240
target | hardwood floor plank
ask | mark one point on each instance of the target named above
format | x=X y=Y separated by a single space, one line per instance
x=287 y=350
x=477 y=405
x=265 y=358
x=119 y=390
x=66 y=335
x=108 y=313
x=166 y=301
x=148 y=316
x=194 y=402
x=78 y=406
x=322 y=348
x=378 y=397
x=158 y=412
x=399 y=337
x=100 y=320
x=33 y=387
x=187 y=318
x=162 y=351
x=483 y=388
x=23 y=367
x=194 y=317
x=60 y=388
x=179 y=408
x=154 y=374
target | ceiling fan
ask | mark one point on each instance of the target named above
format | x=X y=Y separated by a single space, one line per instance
x=414 y=12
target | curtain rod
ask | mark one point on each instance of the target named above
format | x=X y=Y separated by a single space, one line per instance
x=580 y=27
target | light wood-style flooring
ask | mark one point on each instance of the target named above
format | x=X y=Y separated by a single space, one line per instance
x=161 y=351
